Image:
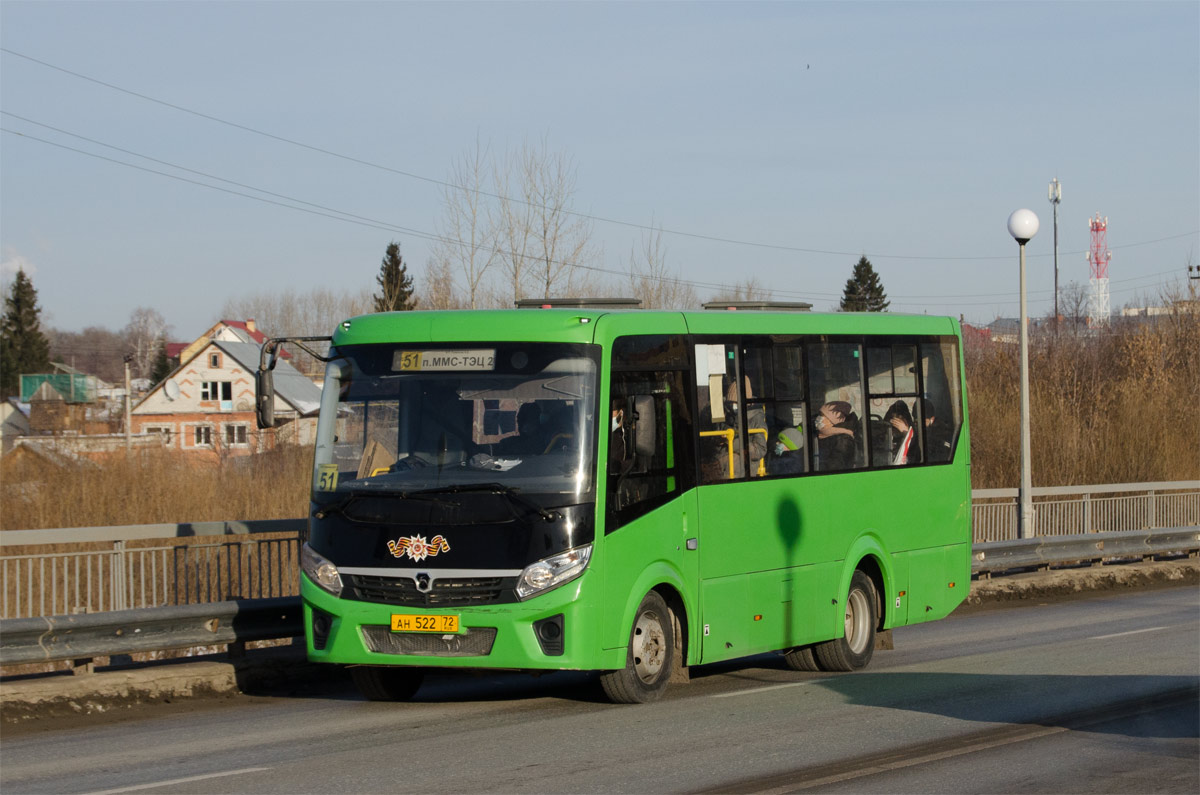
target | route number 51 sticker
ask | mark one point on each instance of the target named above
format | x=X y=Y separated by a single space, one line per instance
x=327 y=477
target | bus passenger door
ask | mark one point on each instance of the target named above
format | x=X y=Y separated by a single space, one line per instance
x=650 y=527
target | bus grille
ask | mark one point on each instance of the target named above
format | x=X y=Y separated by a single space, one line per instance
x=476 y=642
x=457 y=592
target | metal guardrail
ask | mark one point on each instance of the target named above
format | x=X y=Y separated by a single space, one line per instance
x=1042 y=553
x=83 y=637
x=142 y=566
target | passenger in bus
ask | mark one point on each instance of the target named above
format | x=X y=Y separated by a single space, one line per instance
x=837 y=436
x=788 y=457
x=939 y=434
x=905 y=448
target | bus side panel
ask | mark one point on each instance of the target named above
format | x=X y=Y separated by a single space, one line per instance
x=939 y=580
x=648 y=552
x=794 y=606
x=895 y=610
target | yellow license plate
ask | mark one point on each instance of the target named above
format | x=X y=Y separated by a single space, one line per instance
x=403 y=622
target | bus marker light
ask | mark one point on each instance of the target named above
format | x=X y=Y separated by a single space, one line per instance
x=951 y=585
x=758 y=618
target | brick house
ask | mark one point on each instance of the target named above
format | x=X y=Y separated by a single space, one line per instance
x=207 y=404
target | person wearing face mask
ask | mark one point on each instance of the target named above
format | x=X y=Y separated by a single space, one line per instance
x=837 y=429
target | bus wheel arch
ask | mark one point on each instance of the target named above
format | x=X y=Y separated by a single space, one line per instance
x=679 y=618
x=869 y=566
x=854 y=649
x=650 y=655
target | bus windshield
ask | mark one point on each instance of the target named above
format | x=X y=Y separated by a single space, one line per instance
x=403 y=419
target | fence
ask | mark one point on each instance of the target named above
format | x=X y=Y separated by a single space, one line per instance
x=99 y=569
x=1069 y=510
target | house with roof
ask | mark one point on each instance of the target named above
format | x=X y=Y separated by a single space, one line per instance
x=224 y=330
x=207 y=404
x=14 y=422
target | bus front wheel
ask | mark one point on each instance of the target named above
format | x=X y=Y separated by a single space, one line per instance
x=853 y=651
x=649 y=658
x=386 y=683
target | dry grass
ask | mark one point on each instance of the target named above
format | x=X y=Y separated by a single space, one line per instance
x=1118 y=407
x=157 y=486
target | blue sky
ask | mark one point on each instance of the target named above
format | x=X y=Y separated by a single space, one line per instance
x=810 y=132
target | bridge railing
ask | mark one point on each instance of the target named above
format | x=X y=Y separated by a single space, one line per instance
x=1070 y=510
x=100 y=569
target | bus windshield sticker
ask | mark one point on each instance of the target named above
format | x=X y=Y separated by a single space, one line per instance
x=417 y=548
x=432 y=361
x=327 y=477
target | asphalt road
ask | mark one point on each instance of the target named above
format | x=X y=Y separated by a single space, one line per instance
x=1095 y=694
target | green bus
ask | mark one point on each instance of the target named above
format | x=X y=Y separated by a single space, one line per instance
x=630 y=492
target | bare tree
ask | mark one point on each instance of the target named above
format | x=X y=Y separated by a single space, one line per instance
x=746 y=290
x=285 y=312
x=1074 y=300
x=467 y=236
x=560 y=238
x=144 y=336
x=440 y=291
x=651 y=281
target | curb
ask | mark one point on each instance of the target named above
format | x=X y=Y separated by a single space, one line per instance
x=285 y=667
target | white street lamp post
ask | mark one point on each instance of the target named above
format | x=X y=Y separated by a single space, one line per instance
x=1023 y=225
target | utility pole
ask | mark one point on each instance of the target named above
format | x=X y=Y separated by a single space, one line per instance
x=1055 y=197
x=128 y=407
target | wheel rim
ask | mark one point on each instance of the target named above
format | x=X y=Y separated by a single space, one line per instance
x=649 y=647
x=858 y=617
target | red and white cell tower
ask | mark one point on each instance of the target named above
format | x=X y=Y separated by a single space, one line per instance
x=1098 y=256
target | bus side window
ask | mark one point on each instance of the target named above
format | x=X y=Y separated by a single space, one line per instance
x=787 y=416
x=718 y=397
x=942 y=403
x=835 y=387
x=895 y=428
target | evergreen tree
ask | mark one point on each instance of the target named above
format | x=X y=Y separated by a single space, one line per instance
x=162 y=365
x=395 y=285
x=23 y=346
x=864 y=292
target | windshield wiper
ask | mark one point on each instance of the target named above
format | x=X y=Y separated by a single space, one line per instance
x=341 y=505
x=495 y=488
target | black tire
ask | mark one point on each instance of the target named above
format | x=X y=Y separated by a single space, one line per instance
x=650 y=657
x=386 y=683
x=801 y=659
x=853 y=651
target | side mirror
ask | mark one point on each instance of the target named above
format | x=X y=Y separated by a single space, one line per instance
x=264 y=398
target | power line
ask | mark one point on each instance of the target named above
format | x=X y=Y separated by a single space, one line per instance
x=341 y=215
x=588 y=216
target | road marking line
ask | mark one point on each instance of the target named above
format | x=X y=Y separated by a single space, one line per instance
x=180 y=781
x=765 y=689
x=1130 y=632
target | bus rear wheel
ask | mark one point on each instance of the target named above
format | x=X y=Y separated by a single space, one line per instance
x=801 y=659
x=854 y=650
x=386 y=683
x=650 y=656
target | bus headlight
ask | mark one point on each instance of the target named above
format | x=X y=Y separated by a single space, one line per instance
x=320 y=570
x=553 y=571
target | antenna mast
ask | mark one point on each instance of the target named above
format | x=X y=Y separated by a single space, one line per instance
x=1099 y=256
